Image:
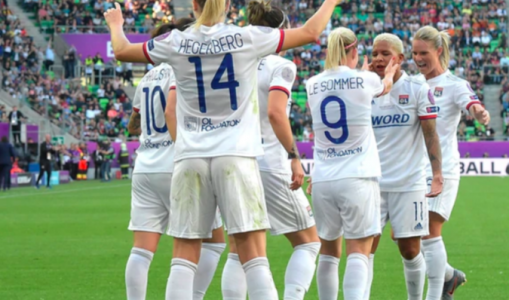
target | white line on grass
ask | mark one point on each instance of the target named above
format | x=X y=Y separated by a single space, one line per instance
x=65 y=191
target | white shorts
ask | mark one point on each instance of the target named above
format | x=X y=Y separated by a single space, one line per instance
x=200 y=185
x=150 y=203
x=289 y=211
x=349 y=207
x=444 y=203
x=407 y=211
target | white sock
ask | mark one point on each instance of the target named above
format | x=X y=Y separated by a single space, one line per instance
x=233 y=281
x=300 y=271
x=371 y=264
x=449 y=272
x=415 y=276
x=436 y=259
x=356 y=276
x=180 y=282
x=327 y=277
x=260 y=285
x=136 y=273
x=209 y=258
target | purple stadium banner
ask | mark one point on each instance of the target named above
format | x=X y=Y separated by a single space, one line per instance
x=14 y=180
x=476 y=149
x=31 y=130
x=91 y=44
x=63 y=177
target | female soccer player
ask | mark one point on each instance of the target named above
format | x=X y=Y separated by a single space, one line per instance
x=287 y=206
x=404 y=123
x=150 y=189
x=218 y=133
x=345 y=192
x=430 y=50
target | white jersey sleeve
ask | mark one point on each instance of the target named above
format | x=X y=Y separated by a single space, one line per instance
x=377 y=86
x=426 y=107
x=216 y=83
x=274 y=73
x=465 y=97
x=345 y=145
x=156 y=150
x=267 y=40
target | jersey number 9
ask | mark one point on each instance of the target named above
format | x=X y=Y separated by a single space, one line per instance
x=341 y=123
x=149 y=111
x=231 y=84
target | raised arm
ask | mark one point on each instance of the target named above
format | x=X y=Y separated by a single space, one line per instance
x=122 y=48
x=312 y=29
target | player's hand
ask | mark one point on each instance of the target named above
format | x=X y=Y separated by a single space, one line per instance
x=366 y=66
x=114 y=16
x=310 y=186
x=391 y=68
x=483 y=116
x=437 y=183
x=297 y=174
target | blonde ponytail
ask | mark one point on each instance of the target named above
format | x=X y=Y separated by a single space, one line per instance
x=339 y=43
x=212 y=12
x=445 y=56
x=439 y=39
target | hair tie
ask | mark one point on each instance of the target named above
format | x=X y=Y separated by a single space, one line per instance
x=352 y=44
x=284 y=19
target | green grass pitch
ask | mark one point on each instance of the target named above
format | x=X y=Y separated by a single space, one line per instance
x=72 y=243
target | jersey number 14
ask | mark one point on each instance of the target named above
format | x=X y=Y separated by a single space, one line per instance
x=231 y=84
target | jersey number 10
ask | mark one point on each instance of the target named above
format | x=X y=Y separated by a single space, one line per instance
x=231 y=84
x=341 y=123
x=149 y=109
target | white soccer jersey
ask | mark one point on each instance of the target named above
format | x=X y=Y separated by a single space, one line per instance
x=217 y=100
x=274 y=73
x=340 y=102
x=400 y=141
x=156 y=151
x=452 y=94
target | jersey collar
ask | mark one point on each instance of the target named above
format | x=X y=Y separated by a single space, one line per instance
x=439 y=78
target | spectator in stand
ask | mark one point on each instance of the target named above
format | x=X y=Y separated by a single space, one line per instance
x=15 y=118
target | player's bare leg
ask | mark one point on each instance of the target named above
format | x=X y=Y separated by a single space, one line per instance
x=327 y=274
x=233 y=280
x=301 y=267
x=211 y=250
x=356 y=272
x=138 y=264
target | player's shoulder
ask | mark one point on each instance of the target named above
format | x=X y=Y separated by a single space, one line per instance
x=416 y=82
x=159 y=72
x=257 y=29
x=277 y=61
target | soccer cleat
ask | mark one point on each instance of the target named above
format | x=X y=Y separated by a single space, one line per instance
x=459 y=278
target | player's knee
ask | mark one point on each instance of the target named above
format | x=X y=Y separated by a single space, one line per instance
x=409 y=248
x=302 y=237
x=331 y=248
